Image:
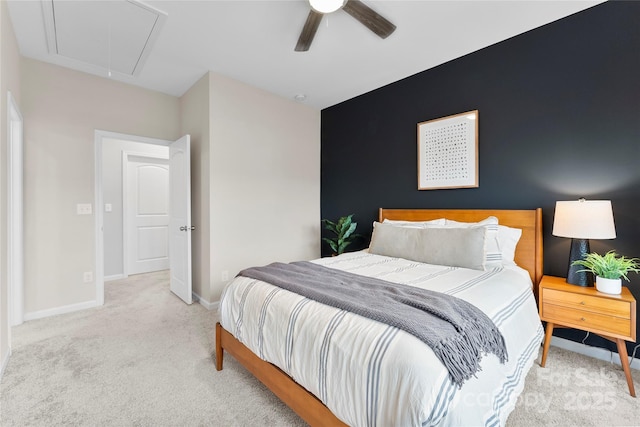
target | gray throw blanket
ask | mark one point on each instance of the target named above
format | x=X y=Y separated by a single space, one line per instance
x=457 y=331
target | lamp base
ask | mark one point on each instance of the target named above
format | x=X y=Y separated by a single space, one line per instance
x=579 y=249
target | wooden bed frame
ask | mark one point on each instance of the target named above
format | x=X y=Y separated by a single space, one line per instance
x=306 y=405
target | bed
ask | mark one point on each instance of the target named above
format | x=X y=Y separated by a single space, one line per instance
x=365 y=373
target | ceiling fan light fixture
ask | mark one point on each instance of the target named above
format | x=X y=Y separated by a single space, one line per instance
x=326 y=6
x=368 y=17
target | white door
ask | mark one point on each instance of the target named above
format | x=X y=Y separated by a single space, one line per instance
x=147 y=210
x=180 y=218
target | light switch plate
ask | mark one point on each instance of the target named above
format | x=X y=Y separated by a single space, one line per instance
x=87 y=276
x=84 y=209
x=108 y=207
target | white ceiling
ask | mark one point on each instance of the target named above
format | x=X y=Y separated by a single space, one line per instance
x=114 y=36
x=253 y=41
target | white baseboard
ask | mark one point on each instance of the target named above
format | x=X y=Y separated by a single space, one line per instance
x=595 y=352
x=206 y=304
x=114 y=277
x=60 y=310
x=5 y=362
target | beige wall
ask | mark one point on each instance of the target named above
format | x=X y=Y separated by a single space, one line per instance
x=62 y=109
x=255 y=172
x=264 y=179
x=255 y=175
x=255 y=179
x=194 y=110
x=9 y=81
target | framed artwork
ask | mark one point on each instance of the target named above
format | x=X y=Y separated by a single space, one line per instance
x=448 y=152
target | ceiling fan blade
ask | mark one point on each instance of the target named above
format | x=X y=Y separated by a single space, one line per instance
x=369 y=18
x=308 y=31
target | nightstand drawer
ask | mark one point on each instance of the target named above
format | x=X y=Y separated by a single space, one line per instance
x=587 y=320
x=588 y=302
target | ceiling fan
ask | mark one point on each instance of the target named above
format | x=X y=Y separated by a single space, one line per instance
x=360 y=11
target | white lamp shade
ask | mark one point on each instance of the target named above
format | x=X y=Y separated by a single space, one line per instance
x=326 y=6
x=584 y=219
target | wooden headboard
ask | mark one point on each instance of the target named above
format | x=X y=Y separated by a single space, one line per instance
x=529 y=249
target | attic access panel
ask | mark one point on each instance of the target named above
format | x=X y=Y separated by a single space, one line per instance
x=113 y=36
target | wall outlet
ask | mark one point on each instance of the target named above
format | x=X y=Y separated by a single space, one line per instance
x=87 y=276
x=84 y=208
x=224 y=276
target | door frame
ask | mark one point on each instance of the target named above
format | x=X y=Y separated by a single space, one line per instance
x=125 y=204
x=99 y=136
x=15 y=212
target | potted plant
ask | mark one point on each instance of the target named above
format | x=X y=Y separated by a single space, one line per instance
x=344 y=233
x=609 y=269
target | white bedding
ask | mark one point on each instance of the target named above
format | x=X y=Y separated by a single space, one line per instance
x=371 y=374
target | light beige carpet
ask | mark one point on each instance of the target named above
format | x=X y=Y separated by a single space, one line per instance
x=146 y=359
x=576 y=390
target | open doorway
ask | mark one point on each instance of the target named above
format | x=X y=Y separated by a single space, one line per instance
x=140 y=187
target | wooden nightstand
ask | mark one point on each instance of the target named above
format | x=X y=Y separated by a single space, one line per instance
x=611 y=316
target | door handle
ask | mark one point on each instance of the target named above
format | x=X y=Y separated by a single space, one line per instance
x=183 y=228
x=193 y=227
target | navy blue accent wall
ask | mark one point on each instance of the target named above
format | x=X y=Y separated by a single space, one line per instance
x=559 y=110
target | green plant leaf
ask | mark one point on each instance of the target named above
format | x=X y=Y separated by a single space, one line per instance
x=344 y=224
x=350 y=230
x=609 y=266
x=343 y=229
x=331 y=243
x=342 y=247
x=331 y=226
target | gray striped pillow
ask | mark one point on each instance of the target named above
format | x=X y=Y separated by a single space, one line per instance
x=492 y=253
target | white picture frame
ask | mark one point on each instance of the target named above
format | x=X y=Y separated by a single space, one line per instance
x=448 y=152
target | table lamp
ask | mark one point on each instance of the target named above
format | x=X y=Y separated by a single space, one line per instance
x=582 y=220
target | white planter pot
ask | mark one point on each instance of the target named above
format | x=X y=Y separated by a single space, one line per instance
x=609 y=286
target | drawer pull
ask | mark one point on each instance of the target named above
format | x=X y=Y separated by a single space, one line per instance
x=583 y=319
x=581 y=302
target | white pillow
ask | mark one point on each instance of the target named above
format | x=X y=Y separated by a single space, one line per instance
x=508 y=239
x=414 y=224
x=487 y=221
